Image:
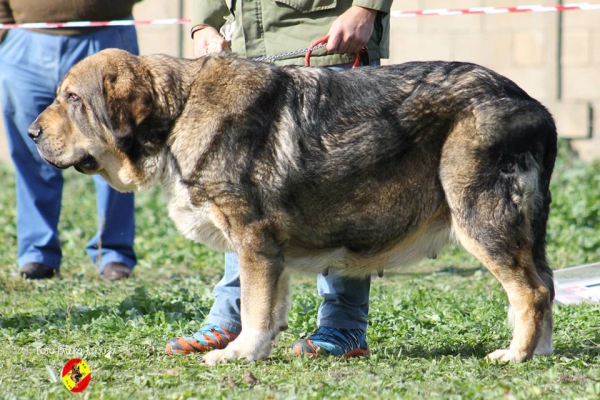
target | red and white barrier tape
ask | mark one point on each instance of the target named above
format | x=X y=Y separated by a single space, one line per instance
x=496 y=10
x=394 y=13
x=86 y=24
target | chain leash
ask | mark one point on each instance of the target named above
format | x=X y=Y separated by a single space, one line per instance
x=290 y=53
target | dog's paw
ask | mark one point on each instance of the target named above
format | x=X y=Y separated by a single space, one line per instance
x=222 y=356
x=215 y=357
x=507 y=355
x=225 y=355
x=249 y=346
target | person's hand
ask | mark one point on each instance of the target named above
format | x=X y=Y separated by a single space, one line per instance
x=208 y=40
x=351 y=31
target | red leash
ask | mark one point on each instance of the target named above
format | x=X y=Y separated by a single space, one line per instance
x=323 y=40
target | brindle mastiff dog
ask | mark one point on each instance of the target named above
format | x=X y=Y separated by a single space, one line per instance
x=307 y=168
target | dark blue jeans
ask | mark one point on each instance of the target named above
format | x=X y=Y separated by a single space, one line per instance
x=31 y=66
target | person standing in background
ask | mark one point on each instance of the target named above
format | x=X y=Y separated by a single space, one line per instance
x=32 y=63
x=263 y=28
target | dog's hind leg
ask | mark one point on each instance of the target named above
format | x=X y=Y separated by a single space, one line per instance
x=538 y=226
x=499 y=202
x=529 y=296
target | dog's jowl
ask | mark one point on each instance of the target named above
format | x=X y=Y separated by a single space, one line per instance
x=292 y=167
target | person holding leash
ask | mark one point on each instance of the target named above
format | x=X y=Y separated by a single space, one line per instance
x=32 y=63
x=267 y=28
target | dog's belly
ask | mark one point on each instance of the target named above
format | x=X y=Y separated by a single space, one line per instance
x=200 y=224
x=427 y=242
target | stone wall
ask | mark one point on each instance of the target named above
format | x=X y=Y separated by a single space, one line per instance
x=554 y=56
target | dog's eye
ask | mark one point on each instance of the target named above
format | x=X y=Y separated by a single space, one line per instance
x=72 y=97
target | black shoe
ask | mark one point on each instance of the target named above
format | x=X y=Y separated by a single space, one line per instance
x=115 y=271
x=35 y=271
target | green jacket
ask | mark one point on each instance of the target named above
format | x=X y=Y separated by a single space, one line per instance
x=270 y=27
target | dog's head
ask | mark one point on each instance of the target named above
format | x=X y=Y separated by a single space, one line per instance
x=103 y=120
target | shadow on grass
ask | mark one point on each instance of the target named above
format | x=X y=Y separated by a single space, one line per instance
x=478 y=351
x=427 y=271
x=592 y=352
x=139 y=304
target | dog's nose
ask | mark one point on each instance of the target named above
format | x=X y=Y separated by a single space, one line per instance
x=34 y=131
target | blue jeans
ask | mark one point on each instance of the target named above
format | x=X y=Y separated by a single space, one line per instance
x=31 y=66
x=345 y=300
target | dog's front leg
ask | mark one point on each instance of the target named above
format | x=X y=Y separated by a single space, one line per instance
x=261 y=270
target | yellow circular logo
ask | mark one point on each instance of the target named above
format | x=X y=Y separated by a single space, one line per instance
x=76 y=375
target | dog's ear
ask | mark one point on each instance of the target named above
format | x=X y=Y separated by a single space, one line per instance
x=128 y=96
x=142 y=96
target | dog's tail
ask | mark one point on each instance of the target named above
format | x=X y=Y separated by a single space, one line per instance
x=541 y=212
x=539 y=225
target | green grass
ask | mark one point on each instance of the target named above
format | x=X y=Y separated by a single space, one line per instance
x=430 y=325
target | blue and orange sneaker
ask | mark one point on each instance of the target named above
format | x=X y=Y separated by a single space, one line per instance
x=333 y=342
x=209 y=337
